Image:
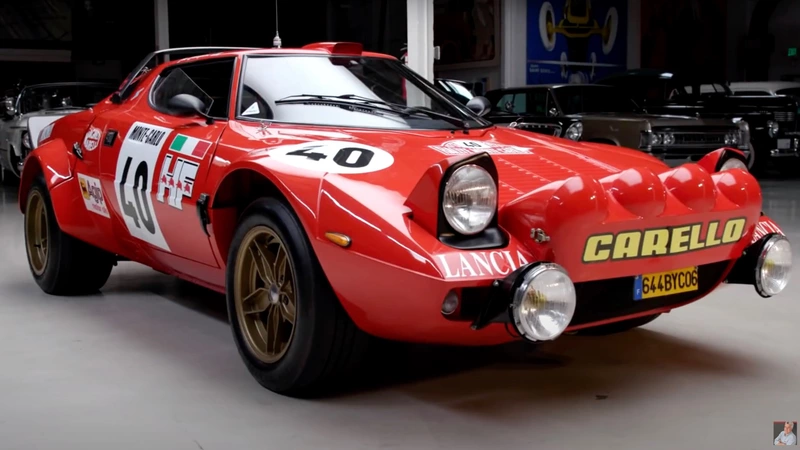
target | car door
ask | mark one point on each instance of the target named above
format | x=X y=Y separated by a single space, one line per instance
x=155 y=161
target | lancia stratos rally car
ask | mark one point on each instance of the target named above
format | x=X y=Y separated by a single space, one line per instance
x=334 y=195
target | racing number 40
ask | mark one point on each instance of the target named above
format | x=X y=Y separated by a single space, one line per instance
x=140 y=211
x=344 y=157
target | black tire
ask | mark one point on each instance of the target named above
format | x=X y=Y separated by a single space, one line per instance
x=617 y=327
x=70 y=266
x=325 y=345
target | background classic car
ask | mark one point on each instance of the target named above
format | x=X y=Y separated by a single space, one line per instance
x=772 y=120
x=604 y=114
x=51 y=100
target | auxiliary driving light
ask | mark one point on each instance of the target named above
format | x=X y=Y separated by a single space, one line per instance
x=774 y=266
x=544 y=303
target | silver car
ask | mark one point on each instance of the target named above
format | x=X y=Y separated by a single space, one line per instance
x=35 y=107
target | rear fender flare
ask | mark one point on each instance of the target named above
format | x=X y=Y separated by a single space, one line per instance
x=54 y=161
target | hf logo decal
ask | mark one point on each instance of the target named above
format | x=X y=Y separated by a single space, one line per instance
x=138 y=156
x=179 y=182
x=334 y=157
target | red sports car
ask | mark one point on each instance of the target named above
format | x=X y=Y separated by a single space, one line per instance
x=333 y=194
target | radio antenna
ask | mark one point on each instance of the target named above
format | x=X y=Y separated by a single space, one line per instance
x=276 y=42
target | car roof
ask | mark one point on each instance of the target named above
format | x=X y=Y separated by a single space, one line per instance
x=683 y=77
x=764 y=85
x=548 y=86
x=319 y=49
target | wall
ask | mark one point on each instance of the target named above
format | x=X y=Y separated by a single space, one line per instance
x=784 y=27
x=468 y=33
x=513 y=67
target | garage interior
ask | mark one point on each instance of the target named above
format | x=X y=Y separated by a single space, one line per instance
x=149 y=361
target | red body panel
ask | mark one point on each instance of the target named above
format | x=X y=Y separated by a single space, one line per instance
x=396 y=273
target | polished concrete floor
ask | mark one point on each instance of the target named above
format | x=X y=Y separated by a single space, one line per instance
x=150 y=364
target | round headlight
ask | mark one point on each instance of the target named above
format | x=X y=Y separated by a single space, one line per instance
x=774 y=266
x=669 y=139
x=470 y=199
x=733 y=163
x=544 y=303
x=772 y=128
x=574 y=131
x=655 y=139
x=26 y=140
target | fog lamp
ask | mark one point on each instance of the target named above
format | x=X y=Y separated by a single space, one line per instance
x=544 y=302
x=774 y=266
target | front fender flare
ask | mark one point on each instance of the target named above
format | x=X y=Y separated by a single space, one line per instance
x=53 y=160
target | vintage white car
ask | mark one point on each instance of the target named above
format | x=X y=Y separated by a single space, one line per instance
x=33 y=109
x=770 y=88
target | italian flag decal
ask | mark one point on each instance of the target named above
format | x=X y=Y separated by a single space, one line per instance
x=189 y=146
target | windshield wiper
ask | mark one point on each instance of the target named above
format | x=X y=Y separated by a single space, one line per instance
x=402 y=110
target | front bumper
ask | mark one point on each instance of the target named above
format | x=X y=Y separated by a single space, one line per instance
x=786 y=146
x=600 y=301
x=606 y=301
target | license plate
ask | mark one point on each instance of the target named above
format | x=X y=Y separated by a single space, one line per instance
x=665 y=283
x=784 y=144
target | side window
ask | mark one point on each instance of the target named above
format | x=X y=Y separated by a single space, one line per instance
x=210 y=81
x=512 y=102
x=253 y=106
x=538 y=102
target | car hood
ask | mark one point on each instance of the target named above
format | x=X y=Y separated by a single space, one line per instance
x=525 y=160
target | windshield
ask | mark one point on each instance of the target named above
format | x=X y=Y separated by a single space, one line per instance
x=37 y=98
x=346 y=91
x=593 y=99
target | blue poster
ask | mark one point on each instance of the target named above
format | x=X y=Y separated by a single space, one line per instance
x=576 y=41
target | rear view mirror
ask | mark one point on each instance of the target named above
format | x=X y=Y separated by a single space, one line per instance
x=479 y=105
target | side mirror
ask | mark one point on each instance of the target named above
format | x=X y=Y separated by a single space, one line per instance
x=186 y=105
x=479 y=105
x=552 y=112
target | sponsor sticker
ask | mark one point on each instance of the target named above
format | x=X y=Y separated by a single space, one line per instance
x=468 y=147
x=92 y=139
x=662 y=241
x=92 y=193
x=764 y=227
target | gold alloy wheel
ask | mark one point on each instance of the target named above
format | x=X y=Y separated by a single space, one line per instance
x=264 y=294
x=36 y=232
